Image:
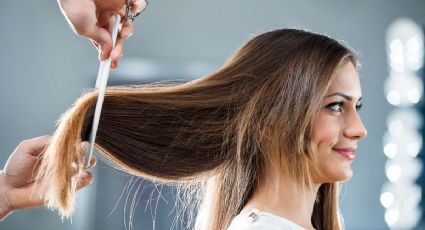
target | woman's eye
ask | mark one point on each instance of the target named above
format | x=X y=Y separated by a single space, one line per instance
x=336 y=106
x=359 y=106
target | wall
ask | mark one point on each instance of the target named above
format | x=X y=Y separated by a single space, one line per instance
x=44 y=68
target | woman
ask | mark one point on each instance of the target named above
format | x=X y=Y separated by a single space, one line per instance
x=275 y=129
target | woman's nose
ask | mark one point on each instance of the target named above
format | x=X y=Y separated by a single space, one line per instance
x=355 y=128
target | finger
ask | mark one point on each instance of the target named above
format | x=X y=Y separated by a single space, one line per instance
x=76 y=168
x=126 y=29
x=138 y=6
x=103 y=38
x=34 y=146
x=117 y=53
x=93 y=161
x=114 y=65
x=34 y=195
x=96 y=45
x=122 y=11
x=27 y=197
x=84 y=179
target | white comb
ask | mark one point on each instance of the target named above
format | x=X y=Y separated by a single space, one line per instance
x=101 y=81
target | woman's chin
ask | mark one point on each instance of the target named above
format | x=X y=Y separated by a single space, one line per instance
x=340 y=175
x=345 y=175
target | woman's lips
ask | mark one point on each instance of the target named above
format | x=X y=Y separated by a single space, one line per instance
x=348 y=153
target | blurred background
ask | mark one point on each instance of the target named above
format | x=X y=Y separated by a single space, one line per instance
x=45 y=67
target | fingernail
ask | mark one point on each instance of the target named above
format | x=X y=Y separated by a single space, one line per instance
x=131 y=34
x=92 y=162
x=84 y=175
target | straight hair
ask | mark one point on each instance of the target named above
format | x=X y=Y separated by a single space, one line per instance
x=223 y=133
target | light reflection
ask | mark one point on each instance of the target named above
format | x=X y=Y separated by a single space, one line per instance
x=403 y=90
x=393 y=97
x=391 y=216
x=403 y=141
x=390 y=150
x=396 y=128
x=414 y=52
x=393 y=173
x=413 y=148
x=396 y=46
x=413 y=95
x=387 y=199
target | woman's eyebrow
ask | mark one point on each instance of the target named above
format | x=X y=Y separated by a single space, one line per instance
x=349 y=98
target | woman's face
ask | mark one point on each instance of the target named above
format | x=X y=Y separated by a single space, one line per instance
x=338 y=127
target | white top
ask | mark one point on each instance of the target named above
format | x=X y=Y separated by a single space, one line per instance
x=259 y=220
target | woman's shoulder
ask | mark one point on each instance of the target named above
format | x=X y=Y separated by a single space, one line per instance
x=256 y=220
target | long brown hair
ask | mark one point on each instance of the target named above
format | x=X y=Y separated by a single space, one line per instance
x=210 y=131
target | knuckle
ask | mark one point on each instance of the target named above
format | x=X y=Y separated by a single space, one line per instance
x=83 y=31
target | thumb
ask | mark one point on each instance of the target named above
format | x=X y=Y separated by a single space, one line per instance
x=84 y=179
x=102 y=37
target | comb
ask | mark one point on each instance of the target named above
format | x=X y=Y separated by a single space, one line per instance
x=101 y=82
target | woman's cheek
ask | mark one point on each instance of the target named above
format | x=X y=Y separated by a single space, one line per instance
x=326 y=130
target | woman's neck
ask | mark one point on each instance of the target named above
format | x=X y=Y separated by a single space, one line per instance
x=285 y=200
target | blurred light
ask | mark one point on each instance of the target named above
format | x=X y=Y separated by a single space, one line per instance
x=390 y=150
x=414 y=45
x=403 y=90
x=387 y=199
x=403 y=141
x=413 y=95
x=396 y=55
x=393 y=172
x=412 y=198
x=414 y=52
x=398 y=67
x=396 y=46
x=397 y=58
x=405 y=41
x=412 y=168
x=413 y=149
x=403 y=170
x=396 y=127
x=405 y=145
x=391 y=216
x=393 y=97
x=410 y=118
x=413 y=217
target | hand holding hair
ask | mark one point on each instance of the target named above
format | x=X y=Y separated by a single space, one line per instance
x=92 y=19
x=17 y=187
